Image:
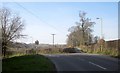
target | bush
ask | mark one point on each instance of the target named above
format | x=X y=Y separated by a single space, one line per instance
x=32 y=51
x=105 y=51
x=50 y=51
x=8 y=53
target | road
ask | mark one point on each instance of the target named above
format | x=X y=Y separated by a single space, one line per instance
x=83 y=62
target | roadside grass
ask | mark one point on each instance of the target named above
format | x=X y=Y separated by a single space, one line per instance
x=27 y=63
x=110 y=52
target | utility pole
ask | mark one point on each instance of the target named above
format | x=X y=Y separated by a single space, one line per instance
x=53 y=39
x=101 y=32
x=101 y=27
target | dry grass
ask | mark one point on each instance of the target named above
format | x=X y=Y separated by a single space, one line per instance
x=105 y=51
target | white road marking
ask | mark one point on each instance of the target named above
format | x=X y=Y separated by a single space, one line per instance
x=97 y=65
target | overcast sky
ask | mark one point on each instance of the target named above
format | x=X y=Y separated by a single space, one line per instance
x=45 y=18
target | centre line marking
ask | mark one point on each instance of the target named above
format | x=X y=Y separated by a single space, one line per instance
x=97 y=65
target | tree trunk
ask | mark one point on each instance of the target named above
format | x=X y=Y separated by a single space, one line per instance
x=4 y=47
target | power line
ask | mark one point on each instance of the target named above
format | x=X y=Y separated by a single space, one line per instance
x=37 y=17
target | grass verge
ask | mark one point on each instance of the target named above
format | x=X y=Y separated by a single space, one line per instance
x=27 y=63
x=110 y=52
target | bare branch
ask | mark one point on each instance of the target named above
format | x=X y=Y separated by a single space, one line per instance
x=11 y=26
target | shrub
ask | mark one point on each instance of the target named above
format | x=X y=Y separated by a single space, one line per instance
x=32 y=51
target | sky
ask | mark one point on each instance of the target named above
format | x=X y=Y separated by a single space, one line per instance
x=45 y=18
x=59 y=0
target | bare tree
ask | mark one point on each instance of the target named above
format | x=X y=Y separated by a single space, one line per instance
x=74 y=38
x=11 y=26
x=81 y=33
x=85 y=24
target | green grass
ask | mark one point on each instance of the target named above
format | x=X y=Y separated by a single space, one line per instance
x=27 y=63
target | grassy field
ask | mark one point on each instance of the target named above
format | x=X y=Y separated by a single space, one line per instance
x=27 y=63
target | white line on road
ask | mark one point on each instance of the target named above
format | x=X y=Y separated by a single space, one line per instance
x=97 y=65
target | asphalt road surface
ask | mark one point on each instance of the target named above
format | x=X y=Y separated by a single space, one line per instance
x=84 y=62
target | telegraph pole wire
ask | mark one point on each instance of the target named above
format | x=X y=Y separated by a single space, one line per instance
x=37 y=17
